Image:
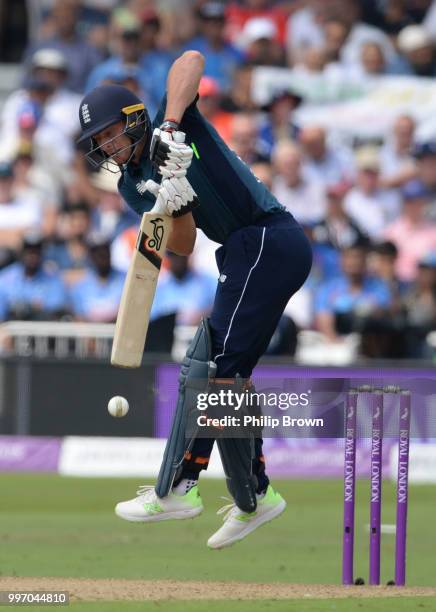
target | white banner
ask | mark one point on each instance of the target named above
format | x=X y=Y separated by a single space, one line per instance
x=363 y=108
x=91 y=456
x=422 y=463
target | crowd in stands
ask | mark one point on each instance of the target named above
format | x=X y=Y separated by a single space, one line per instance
x=368 y=206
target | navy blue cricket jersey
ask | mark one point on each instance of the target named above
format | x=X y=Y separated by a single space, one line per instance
x=230 y=196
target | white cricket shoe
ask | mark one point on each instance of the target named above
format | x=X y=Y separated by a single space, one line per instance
x=148 y=507
x=238 y=524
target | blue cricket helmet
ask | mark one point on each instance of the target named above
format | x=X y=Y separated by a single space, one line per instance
x=106 y=105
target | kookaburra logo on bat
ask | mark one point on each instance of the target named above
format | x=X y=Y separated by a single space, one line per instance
x=155 y=241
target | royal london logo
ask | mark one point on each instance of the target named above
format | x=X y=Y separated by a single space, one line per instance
x=85 y=114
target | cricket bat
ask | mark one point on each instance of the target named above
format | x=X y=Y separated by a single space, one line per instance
x=139 y=289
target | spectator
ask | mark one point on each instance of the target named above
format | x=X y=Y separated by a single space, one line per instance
x=413 y=234
x=55 y=111
x=129 y=78
x=350 y=301
x=184 y=291
x=155 y=61
x=34 y=184
x=394 y=17
x=209 y=105
x=259 y=42
x=124 y=62
x=372 y=59
x=239 y=99
x=425 y=155
x=279 y=124
x=397 y=165
x=306 y=28
x=420 y=303
x=69 y=252
x=417 y=10
x=18 y=213
x=361 y=33
x=322 y=163
x=370 y=207
x=383 y=264
x=416 y=45
x=97 y=296
x=312 y=63
x=135 y=55
x=221 y=57
x=31 y=177
x=65 y=38
x=239 y=13
x=21 y=115
x=335 y=33
x=27 y=290
x=304 y=198
x=110 y=215
x=244 y=139
x=335 y=232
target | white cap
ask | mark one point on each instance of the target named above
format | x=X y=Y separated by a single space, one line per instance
x=257 y=28
x=413 y=37
x=49 y=58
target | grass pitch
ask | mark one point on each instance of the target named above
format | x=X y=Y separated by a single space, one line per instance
x=65 y=527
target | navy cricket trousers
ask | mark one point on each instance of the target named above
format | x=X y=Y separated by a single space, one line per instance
x=261 y=267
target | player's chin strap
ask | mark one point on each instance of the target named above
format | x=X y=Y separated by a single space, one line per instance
x=197 y=375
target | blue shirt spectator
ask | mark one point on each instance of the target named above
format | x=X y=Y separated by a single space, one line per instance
x=347 y=303
x=27 y=290
x=155 y=64
x=337 y=296
x=82 y=57
x=221 y=57
x=97 y=296
x=148 y=69
x=220 y=63
x=186 y=292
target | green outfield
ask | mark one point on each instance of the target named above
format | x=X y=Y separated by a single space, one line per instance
x=65 y=527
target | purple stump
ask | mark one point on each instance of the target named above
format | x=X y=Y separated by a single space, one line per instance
x=402 y=488
x=349 y=487
x=376 y=487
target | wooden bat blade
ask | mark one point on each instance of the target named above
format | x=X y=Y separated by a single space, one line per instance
x=139 y=289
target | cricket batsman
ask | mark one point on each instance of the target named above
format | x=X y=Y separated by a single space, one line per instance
x=264 y=259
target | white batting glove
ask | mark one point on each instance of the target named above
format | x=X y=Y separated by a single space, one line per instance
x=169 y=153
x=174 y=196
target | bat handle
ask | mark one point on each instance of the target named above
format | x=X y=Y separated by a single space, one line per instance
x=159 y=208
